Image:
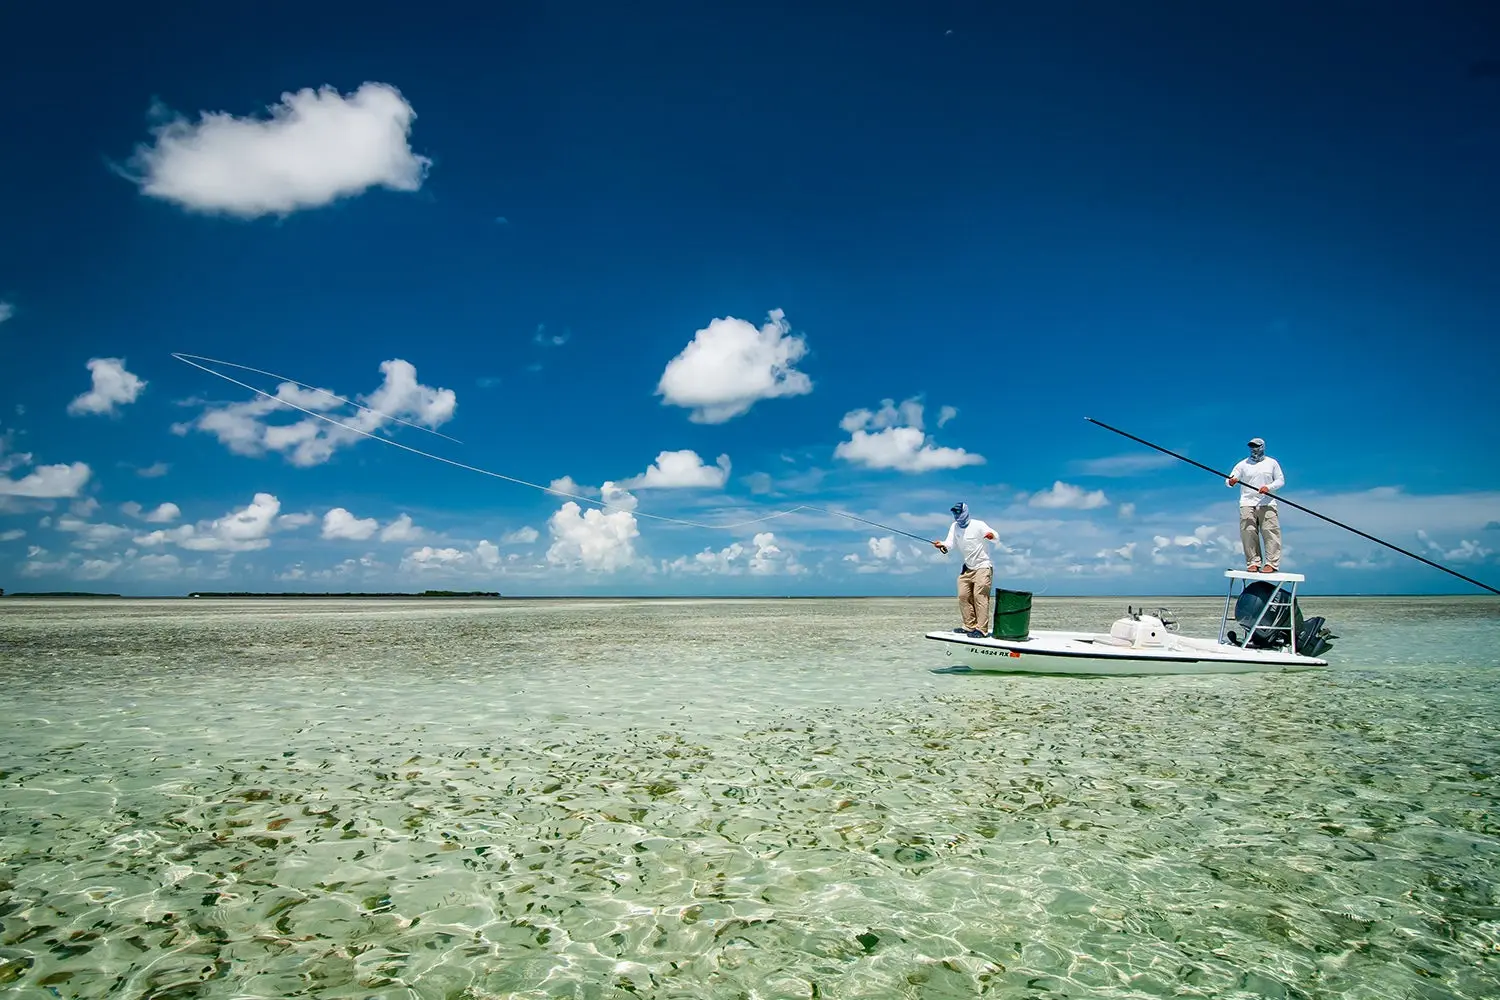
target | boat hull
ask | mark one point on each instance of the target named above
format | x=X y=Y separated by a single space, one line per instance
x=1091 y=654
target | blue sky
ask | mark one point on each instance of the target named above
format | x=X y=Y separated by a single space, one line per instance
x=882 y=258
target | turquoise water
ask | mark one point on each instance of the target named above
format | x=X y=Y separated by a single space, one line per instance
x=733 y=799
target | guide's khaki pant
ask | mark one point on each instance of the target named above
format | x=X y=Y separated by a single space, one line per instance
x=974 y=597
x=1253 y=522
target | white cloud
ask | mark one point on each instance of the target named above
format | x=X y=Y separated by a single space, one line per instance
x=768 y=558
x=1126 y=551
x=97 y=569
x=1126 y=511
x=244 y=429
x=83 y=507
x=725 y=561
x=316 y=147
x=946 y=414
x=153 y=471
x=6 y=311
x=882 y=548
x=1066 y=496
x=599 y=542
x=158 y=567
x=482 y=558
x=339 y=523
x=289 y=522
x=91 y=535
x=1207 y=547
x=761 y=557
x=1466 y=551
x=614 y=495
x=113 y=387
x=1132 y=464
x=681 y=470
x=164 y=513
x=11 y=535
x=730 y=365
x=50 y=482
x=892 y=438
x=401 y=530
x=521 y=536
x=568 y=485
x=242 y=530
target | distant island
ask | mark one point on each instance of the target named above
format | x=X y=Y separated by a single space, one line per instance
x=55 y=593
x=425 y=593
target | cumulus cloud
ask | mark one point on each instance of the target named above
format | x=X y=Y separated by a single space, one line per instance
x=598 y=541
x=761 y=557
x=521 y=536
x=768 y=557
x=1126 y=551
x=482 y=558
x=164 y=513
x=1066 y=496
x=568 y=486
x=245 y=428
x=1206 y=547
x=401 y=530
x=91 y=535
x=882 y=548
x=243 y=530
x=1467 y=550
x=724 y=561
x=1126 y=511
x=6 y=311
x=11 y=535
x=681 y=470
x=892 y=438
x=730 y=365
x=113 y=387
x=45 y=482
x=339 y=523
x=153 y=471
x=946 y=414
x=316 y=147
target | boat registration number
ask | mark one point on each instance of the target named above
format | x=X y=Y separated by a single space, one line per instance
x=1001 y=652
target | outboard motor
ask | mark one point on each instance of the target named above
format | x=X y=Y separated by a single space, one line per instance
x=1258 y=598
x=1313 y=636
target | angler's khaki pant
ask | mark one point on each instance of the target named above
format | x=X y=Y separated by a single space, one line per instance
x=974 y=597
x=1253 y=522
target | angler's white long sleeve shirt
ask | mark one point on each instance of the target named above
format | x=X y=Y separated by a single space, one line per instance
x=972 y=545
x=1254 y=475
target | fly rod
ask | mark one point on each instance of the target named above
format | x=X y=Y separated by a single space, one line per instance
x=1305 y=510
x=877 y=524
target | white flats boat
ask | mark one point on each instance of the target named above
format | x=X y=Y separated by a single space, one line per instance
x=1275 y=637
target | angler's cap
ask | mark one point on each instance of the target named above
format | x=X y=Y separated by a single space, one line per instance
x=1257 y=443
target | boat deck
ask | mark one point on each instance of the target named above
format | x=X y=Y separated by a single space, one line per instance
x=1096 y=653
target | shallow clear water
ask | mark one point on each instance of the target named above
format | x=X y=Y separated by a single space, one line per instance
x=733 y=799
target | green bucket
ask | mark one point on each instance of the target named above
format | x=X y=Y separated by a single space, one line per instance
x=1012 y=614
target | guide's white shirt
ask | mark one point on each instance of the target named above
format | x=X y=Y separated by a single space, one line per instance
x=972 y=545
x=1254 y=475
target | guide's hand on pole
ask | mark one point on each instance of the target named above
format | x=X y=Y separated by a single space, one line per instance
x=1232 y=481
